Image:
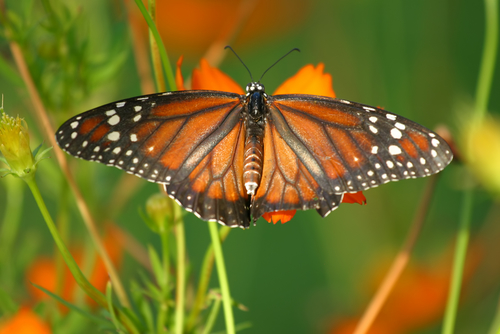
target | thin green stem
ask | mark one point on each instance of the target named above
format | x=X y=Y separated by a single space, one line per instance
x=458 y=263
x=481 y=105
x=206 y=272
x=62 y=226
x=212 y=317
x=180 y=300
x=155 y=56
x=221 y=271
x=9 y=229
x=162 y=50
x=80 y=279
x=163 y=309
x=490 y=49
x=73 y=267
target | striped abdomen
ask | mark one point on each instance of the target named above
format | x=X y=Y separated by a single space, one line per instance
x=252 y=165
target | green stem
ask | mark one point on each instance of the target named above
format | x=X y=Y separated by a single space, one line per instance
x=62 y=227
x=211 y=317
x=80 y=279
x=163 y=309
x=481 y=105
x=163 y=52
x=458 y=263
x=490 y=49
x=9 y=229
x=155 y=56
x=181 y=277
x=206 y=272
x=73 y=267
x=221 y=271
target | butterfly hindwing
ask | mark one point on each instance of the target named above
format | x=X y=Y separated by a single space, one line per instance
x=287 y=183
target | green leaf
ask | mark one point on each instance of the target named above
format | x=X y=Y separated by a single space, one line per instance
x=73 y=307
x=111 y=308
x=156 y=264
x=142 y=305
x=43 y=154
x=35 y=151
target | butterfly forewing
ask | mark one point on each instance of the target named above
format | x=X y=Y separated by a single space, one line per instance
x=356 y=146
x=190 y=141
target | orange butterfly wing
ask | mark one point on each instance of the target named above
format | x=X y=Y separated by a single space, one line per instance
x=316 y=148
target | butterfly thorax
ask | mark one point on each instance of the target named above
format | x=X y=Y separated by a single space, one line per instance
x=254 y=149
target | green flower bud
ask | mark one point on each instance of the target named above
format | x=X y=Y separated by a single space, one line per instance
x=15 y=146
x=161 y=212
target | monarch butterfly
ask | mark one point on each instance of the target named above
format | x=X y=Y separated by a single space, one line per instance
x=231 y=158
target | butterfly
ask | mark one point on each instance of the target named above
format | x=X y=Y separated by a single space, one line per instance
x=231 y=157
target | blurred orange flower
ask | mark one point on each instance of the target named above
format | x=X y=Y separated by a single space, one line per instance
x=193 y=25
x=308 y=80
x=25 y=321
x=43 y=272
x=417 y=300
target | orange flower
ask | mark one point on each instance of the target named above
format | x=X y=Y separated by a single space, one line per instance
x=25 y=321
x=193 y=25
x=308 y=80
x=43 y=273
x=418 y=299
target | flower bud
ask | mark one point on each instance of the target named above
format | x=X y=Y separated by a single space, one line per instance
x=15 y=145
x=160 y=211
x=482 y=152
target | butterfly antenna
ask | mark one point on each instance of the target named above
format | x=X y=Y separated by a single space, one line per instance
x=230 y=48
x=277 y=61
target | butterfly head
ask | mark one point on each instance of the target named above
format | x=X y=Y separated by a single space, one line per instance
x=256 y=99
x=255 y=87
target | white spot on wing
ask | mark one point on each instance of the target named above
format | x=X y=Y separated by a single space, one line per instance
x=73 y=125
x=133 y=137
x=114 y=136
x=393 y=149
x=391 y=117
x=114 y=120
x=400 y=126
x=396 y=134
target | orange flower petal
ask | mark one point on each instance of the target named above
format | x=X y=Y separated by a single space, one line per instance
x=43 y=272
x=308 y=80
x=179 y=80
x=212 y=78
x=24 y=322
x=354 y=198
x=276 y=216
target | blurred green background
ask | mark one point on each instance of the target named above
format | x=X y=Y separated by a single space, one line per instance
x=419 y=59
